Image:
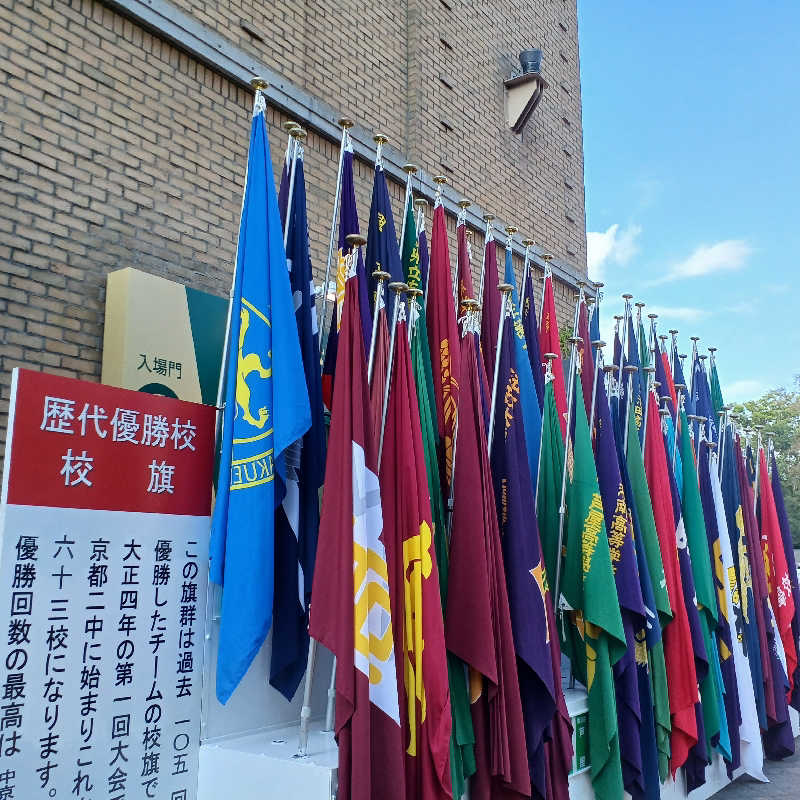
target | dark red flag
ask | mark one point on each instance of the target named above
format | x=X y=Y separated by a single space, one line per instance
x=550 y=342
x=352 y=617
x=478 y=625
x=416 y=602
x=678 y=652
x=443 y=337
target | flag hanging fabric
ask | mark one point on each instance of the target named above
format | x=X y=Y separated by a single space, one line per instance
x=297 y=519
x=528 y=591
x=462 y=739
x=638 y=387
x=619 y=528
x=586 y=356
x=531 y=414
x=550 y=342
x=658 y=607
x=490 y=315
x=751 y=751
x=551 y=470
x=779 y=583
x=416 y=599
x=788 y=549
x=354 y=620
x=348 y=224
x=678 y=649
x=531 y=328
x=283 y=184
x=266 y=410
x=598 y=636
x=443 y=339
x=464 y=286
x=477 y=622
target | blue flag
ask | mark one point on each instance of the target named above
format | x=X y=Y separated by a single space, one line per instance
x=297 y=520
x=266 y=410
x=382 y=249
x=531 y=413
x=594 y=328
x=634 y=383
x=528 y=592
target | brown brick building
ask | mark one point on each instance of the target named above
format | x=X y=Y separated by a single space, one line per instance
x=124 y=125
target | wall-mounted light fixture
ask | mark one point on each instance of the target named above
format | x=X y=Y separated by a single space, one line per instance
x=524 y=90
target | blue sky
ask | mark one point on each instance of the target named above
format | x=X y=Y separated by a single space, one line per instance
x=691 y=124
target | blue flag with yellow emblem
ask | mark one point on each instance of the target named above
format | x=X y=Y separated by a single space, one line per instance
x=266 y=410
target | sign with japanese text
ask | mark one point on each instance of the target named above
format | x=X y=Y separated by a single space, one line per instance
x=162 y=337
x=104 y=527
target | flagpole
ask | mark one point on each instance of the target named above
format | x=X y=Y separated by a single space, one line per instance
x=758 y=466
x=629 y=369
x=562 y=509
x=623 y=340
x=598 y=345
x=410 y=170
x=649 y=371
x=381 y=277
x=345 y=124
x=548 y=377
x=487 y=218
x=505 y=291
x=463 y=204
x=529 y=243
x=547 y=258
x=298 y=134
x=399 y=289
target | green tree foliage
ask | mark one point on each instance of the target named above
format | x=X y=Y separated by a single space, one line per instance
x=779 y=412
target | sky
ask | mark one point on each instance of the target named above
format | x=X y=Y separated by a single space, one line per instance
x=691 y=127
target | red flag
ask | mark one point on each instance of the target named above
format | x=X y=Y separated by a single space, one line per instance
x=779 y=583
x=478 y=625
x=416 y=603
x=678 y=651
x=559 y=749
x=490 y=316
x=443 y=337
x=464 y=275
x=353 y=619
x=550 y=342
x=587 y=361
x=670 y=383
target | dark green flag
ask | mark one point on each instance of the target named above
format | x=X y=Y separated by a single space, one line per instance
x=588 y=586
x=649 y=535
x=462 y=739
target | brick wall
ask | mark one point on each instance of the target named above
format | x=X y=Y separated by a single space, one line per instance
x=117 y=149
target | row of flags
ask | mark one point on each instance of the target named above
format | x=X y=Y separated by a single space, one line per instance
x=500 y=509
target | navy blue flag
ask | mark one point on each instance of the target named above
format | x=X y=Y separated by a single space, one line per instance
x=531 y=328
x=266 y=411
x=283 y=186
x=626 y=575
x=635 y=382
x=424 y=256
x=382 y=248
x=786 y=538
x=528 y=592
x=297 y=519
x=531 y=411
x=746 y=626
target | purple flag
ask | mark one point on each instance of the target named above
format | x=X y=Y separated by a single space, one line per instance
x=528 y=593
x=531 y=329
x=629 y=591
x=786 y=537
x=424 y=258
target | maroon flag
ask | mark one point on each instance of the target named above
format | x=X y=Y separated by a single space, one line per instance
x=586 y=362
x=353 y=617
x=550 y=342
x=464 y=274
x=478 y=625
x=416 y=602
x=443 y=338
x=490 y=316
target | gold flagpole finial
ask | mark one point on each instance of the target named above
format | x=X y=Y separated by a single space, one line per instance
x=410 y=169
x=380 y=138
x=290 y=125
x=346 y=122
x=546 y=257
x=355 y=239
x=464 y=203
x=259 y=84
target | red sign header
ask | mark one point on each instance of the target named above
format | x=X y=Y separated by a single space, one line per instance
x=75 y=444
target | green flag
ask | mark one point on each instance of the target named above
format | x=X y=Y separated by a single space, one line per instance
x=598 y=639
x=716 y=391
x=649 y=535
x=697 y=541
x=551 y=467
x=462 y=738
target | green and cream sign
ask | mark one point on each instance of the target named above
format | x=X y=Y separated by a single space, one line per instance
x=162 y=337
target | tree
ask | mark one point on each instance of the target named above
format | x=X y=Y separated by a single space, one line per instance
x=779 y=412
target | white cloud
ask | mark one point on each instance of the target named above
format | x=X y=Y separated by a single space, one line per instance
x=724 y=256
x=613 y=246
x=678 y=313
x=743 y=390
